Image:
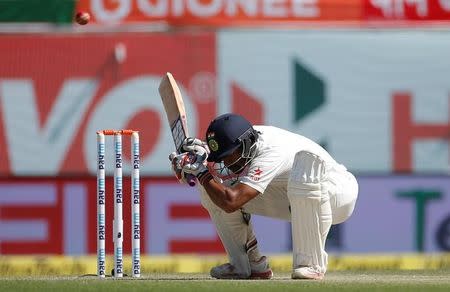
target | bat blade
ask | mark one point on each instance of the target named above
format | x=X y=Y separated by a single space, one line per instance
x=176 y=113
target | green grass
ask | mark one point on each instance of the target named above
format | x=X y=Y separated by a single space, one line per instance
x=429 y=280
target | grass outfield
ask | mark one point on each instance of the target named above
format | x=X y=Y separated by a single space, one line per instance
x=415 y=280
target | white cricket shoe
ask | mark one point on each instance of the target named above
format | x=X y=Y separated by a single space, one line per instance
x=311 y=273
x=260 y=270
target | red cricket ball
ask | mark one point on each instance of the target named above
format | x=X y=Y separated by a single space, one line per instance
x=82 y=18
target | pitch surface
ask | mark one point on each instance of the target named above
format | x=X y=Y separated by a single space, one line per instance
x=418 y=280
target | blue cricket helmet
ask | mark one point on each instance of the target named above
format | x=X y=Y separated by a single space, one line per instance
x=228 y=132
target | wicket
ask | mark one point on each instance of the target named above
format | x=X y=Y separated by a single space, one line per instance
x=118 y=199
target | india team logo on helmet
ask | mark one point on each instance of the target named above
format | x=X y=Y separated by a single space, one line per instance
x=212 y=144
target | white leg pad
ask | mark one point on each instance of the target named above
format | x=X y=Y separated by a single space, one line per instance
x=310 y=210
x=234 y=233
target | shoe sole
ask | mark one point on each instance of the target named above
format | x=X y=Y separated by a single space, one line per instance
x=267 y=275
x=254 y=276
x=304 y=277
x=229 y=277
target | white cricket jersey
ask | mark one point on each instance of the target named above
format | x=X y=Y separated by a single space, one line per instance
x=269 y=171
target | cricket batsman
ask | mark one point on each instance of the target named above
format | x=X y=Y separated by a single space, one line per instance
x=244 y=169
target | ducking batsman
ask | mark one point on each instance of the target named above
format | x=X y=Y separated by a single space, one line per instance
x=244 y=169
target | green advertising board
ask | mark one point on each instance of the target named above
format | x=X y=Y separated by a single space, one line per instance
x=47 y=11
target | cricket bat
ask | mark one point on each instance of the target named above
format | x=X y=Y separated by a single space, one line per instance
x=176 y=114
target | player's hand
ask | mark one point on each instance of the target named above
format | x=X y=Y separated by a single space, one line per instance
x=195 y=163
x=176 y=161
x=197 y=168
x=195 y=145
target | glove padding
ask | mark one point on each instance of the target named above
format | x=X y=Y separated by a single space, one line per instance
x=189 y=163
x=178 y=160
x=195 y=145
x=175 y=160
x=195 y=163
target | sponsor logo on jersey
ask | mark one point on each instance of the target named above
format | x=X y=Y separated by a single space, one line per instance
x=256 y=174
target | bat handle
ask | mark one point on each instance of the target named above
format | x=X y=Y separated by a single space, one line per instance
x=191 y=180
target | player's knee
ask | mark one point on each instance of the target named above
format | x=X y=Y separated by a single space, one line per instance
x=308 y=168
x=307 y=176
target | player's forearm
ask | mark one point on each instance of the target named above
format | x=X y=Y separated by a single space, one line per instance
x=222 y=196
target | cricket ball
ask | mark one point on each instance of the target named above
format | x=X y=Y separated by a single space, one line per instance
x=82 y=18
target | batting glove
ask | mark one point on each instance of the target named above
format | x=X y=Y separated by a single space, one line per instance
x=195 y=145
x=177 y=161
x=196 y=164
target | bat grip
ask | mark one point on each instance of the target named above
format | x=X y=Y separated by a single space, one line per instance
x=191 y=180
